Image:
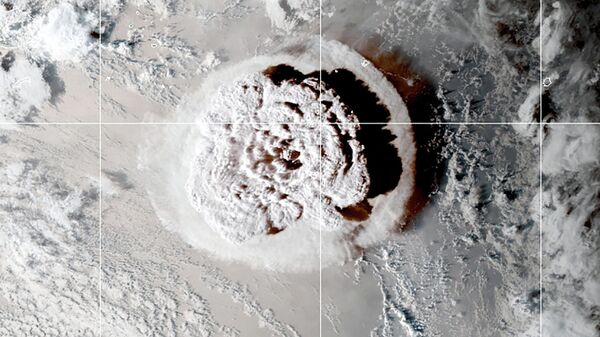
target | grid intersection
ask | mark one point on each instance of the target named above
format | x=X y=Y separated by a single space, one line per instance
x=100 y=123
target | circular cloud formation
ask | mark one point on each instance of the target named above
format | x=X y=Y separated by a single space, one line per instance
x=278 y=171
x=257 y=177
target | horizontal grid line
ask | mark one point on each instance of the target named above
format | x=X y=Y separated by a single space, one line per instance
x=292 y=123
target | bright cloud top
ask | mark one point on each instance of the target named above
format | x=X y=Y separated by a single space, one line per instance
x=259 y=178
x=245 y=182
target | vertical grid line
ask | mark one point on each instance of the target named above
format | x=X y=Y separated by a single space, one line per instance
x=320 y=170
x=540 y=126
x=541 y=218
x=100 y=169
x=541 y=149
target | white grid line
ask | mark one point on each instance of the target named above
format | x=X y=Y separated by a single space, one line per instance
x=320 y=169
x=285 y=123
x=541 y=146
x=100 y=166
x=541 y=124
x=100 y=123
x=541 y=218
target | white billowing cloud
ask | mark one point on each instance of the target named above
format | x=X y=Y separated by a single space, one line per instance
x=179 y=153
x=50 y=31
x=571 y=149
x=555 y=32
x=48 y=266
x=64 y=34
x=266 y=177
x=23 y=90
x=570 y=230
x=527 y=112
x=210 y=61
x=287 y=14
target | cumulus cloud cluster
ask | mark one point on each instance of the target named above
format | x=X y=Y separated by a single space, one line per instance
x=56 y=32
x=24 y=90
x=49 y=253
x=287 y=14
x=35 y=39
x=65 y=33
x=571 y=230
